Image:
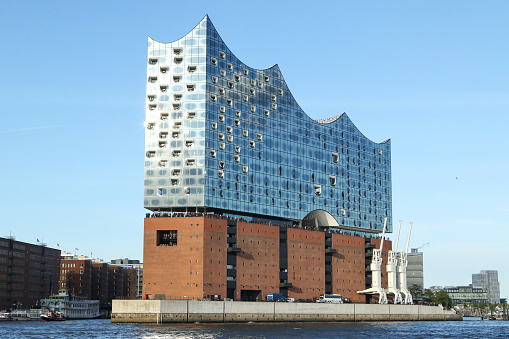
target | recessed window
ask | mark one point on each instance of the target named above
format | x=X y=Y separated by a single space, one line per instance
x=175 y=171
x=253 y=82
x=246 y=98
x=214 y=79
x=152 y=107
x=176 y=106
x=318 y=189
x=259 y=136
x=222 y=164
x=222 y=72
x=252 y=91
x=176 y=152
x=237 y=113
x=190 y=162
x=151 y=154
x=236 y=77
x=177 y=50
x=220 y=173
x=213 y=153
x=273 y=97
x=178 y=59
x=237 y=149
x=163 y=88
x=380 y=151
x=176 y=78
x=152 y=79
x=246 y=71
x=177 y=124
x=236 y=122
x=161 y=191
x=335 y=157
x=221 y=90
x=189 y=143
x=213 y=97
x=213 y=125
x=222 y=109
x=245 y=132
x=163 y=69
x=280 y=91
x=252 y=143
x=274 y=106
x=190 y=87
x=332 y=180
x=229 y=102
x=222 y=54
x=222 y=145
x=191 y=68
x=213 y=61
x=266 y=78
x=266 y=112
x=253 y=109
x=177 y=96
x=162 y=144
x=230 y=84
x=230 y=138
x=236 y=158
x=229 y=129
x=152 y=61
x=163 y=163
x=221 y=118
x=343 y=211
x=245 y=169
x=175 y=135
x=229 y=66
x=151 y=97
x=150 y=125
x=174 y=181
x=167 y=238
x=221 y=136
x=164 y=116
x=163 y=134
x=191 y=115
x=260 y=85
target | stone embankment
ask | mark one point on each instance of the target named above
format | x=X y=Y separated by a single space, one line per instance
x=190 y=311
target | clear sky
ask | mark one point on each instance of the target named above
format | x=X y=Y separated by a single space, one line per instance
x=433 y=76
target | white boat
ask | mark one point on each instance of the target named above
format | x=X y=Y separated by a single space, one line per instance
x=24 y=315
x=72 y=307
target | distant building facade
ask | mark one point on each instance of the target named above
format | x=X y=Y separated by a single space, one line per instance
x=28 y=273
x=488 y=280
x=415 y=268
x=95 y=279
x=138 y=266
x=467 y=294
x=248 y=194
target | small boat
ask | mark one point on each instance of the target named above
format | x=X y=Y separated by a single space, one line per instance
x=5 y=316
x=26 y=315
x=53 y=316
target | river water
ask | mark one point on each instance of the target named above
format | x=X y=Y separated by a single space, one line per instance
x=103 y=328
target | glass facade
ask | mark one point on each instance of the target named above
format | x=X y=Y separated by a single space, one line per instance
x=224 y=137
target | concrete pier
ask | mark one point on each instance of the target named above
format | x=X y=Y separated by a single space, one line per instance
x=184 y=311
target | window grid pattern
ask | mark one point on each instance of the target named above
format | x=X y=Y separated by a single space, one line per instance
x=256 y=151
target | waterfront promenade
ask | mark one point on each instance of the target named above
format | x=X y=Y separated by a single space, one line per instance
x=190 y=311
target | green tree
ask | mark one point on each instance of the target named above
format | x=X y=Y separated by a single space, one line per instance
x=416 y=291
x=437 y=295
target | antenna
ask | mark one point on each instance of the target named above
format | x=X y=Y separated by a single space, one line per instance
x=408 y=240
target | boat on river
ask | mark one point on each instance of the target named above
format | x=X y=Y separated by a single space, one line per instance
x=72 y=307
x=53 y=316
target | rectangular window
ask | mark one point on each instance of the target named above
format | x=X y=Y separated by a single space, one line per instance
x=167 y=238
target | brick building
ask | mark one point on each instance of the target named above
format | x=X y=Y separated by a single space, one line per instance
x=208 y=258
x=28 y=272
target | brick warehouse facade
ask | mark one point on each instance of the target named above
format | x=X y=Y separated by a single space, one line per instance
x=208 y=258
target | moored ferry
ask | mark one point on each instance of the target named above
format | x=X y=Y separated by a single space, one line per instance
x=72 y=307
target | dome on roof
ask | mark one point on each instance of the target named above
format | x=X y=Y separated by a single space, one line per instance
x=319 y=218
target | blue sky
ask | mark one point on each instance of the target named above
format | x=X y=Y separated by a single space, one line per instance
x=430 y=75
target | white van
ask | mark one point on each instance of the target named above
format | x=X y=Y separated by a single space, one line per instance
x=331 y=298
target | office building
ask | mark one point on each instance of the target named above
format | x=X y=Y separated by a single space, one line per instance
x=415 y=268
x=253 y=195
x=488 y=280
x=467 y=294
x=28 y=273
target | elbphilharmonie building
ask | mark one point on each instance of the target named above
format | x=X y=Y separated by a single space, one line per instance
x=224 y=137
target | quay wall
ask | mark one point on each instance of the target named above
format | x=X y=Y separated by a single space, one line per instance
x=182 y=311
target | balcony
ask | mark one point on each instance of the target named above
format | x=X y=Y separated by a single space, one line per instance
x=234 y=249
x=331 y=250
x=285 y=285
